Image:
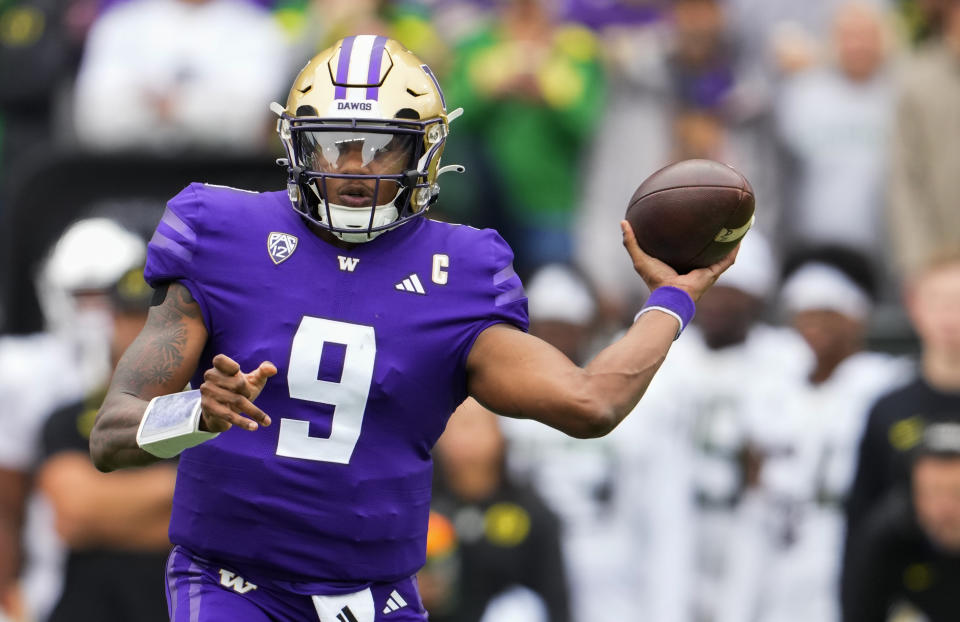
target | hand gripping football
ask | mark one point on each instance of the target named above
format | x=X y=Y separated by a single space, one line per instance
x=692 y=213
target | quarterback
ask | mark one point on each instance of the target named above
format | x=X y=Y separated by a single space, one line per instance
x=328 y=344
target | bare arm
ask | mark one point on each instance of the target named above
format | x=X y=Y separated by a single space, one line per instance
x=160 y=361
x=519 y=375
x=127 y=510
x=13 y=494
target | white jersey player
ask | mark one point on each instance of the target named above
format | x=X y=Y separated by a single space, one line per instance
x=790 y=530
x=690 y=432
x=577 y=478
x=72 y=285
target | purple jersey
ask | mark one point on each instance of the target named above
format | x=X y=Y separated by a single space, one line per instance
x=371 y=346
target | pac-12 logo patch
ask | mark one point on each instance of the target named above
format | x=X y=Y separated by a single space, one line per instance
x=281 y=246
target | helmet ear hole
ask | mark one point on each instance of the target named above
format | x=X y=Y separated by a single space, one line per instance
x=407 y=113
x=307 y=111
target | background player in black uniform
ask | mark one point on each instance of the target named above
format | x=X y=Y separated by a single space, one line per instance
x=897 y=421
x=114 y=526
x=908 y=547
x=503 y=534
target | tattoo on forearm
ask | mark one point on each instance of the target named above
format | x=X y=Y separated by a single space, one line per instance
x=159 y=351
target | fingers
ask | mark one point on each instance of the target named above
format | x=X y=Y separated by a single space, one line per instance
x=234 y=381
x=222 y=406
x=714 y=271
x=629 y=239
x=225 y=364
x=729 y=260
x=227 y=395
x=653 y=271
x=639 y=257
x=258 y=377
x=698 y=281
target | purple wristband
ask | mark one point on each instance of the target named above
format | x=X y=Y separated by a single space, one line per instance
x=672 y=301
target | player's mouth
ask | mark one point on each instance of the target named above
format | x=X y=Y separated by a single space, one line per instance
x=355 y=195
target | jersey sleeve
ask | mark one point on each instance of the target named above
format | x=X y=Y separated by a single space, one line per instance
x=175 y=243
x=497 y=295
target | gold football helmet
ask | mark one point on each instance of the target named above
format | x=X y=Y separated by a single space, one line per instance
x=363 y=129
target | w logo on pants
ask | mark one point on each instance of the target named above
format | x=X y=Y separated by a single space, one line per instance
x=235 y=582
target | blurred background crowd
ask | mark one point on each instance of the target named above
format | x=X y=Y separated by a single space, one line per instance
x=796 y=458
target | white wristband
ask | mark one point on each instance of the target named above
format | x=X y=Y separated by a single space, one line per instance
x=171 y=423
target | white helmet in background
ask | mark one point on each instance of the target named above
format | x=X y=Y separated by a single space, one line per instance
x=73 y=284
x=755 y=271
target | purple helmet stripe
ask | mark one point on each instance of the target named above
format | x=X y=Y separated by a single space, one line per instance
x=436 y=83
x=376 y=59
x=343 y=67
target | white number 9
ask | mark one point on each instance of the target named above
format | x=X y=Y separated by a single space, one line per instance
x=348 y=397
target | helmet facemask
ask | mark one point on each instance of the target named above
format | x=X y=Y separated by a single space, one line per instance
x=363 y=129
x=359 y=178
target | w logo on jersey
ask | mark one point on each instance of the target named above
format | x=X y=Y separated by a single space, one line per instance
x=348 y=264
x=281 y=246
x=236 y=583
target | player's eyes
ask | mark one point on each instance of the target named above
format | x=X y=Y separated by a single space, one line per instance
x=323 y=150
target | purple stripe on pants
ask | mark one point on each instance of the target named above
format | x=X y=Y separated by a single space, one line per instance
x=193 y=594
x=178 y=565
x=343 y=67
x=171 y=585
x=373 y=73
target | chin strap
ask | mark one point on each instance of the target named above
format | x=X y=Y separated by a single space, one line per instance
x=343 y=217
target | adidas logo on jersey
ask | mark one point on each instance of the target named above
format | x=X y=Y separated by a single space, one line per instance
x=394 y=602
x=411 y=284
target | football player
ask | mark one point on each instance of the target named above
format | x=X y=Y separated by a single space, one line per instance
x=357 y=326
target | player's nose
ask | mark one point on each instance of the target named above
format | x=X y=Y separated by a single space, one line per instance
x=352 y=162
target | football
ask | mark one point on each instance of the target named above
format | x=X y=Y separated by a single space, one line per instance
x=690 y=214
